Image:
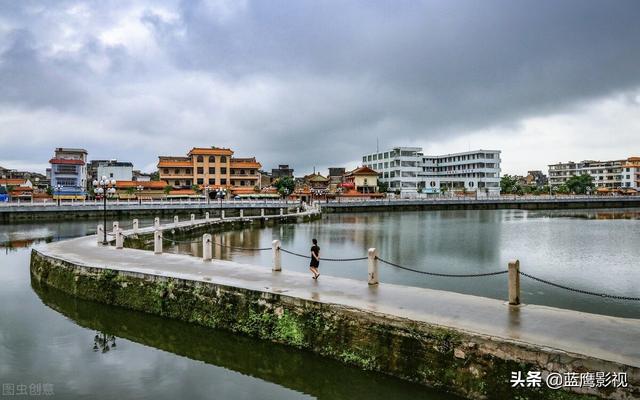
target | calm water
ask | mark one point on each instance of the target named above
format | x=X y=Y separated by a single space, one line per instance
x=49 y=337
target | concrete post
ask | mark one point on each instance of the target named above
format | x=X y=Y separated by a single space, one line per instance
x=100 y=232
x=241 y=213
x=135 y=225
x=206 y=216
x=193 y=218
x=514 y=282
x=373 y=266
x=119 y=239
x=262 y=212
x=116 y=226
x=281 y=212
x=297 y=210
x=222 y=214
x=157 y=241
x=175 y=220
x=156 y=222
x=277 y=256
x=206 y=247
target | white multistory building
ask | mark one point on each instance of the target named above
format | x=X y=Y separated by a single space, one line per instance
x=612 y=174
x=408 y=170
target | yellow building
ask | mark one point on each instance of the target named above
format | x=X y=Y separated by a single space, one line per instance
x=362 y=180
x=212 y=167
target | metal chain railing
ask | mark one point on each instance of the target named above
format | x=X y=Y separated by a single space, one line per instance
x=182 y=241
x=546 y=282
x=439 y=273
x=323 y=259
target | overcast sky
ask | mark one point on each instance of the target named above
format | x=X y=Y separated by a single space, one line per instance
x=314 y=83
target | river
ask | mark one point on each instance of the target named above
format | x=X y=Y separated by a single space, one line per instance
x=80 y=349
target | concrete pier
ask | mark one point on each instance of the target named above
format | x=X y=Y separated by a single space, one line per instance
x=465 y=344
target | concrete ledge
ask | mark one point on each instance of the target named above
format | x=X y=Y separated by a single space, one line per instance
x=415 y=334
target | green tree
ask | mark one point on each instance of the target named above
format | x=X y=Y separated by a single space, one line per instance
x=562 y=189
x=196 y=189
x=580 y=184
x=383 y=187
x=509 y=184
x=130 y=191
x=167 y=189
x=155 y=176
x=286 y=184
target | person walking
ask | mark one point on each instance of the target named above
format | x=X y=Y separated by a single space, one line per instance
x=315 y=259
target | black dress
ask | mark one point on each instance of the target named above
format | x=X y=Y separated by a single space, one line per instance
x=314 y=261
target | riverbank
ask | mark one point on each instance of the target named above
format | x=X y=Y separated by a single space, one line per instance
x=460 y=343
x=128 y=210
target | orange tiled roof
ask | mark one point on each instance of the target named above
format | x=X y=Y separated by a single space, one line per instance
x=167 y=163
x=245 y=164
x=12 y=181
x=144 y=184
x=22 y=189
x=363 y=171
x=218 y=151
x=182 y=191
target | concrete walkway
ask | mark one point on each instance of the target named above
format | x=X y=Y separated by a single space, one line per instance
x=609 y=338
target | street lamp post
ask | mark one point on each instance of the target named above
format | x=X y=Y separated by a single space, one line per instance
x=57 y=188
x=104 y=187
x=139 y=189
x=221 y=193
x=206 y=193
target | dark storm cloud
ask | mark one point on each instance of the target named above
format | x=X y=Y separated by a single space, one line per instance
x=314 y=83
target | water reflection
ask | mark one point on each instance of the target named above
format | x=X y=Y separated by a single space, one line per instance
x=300 y=371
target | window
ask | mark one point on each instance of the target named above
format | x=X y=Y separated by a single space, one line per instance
x=200 y=170
x=375 y=157
x=212 y=181
x=386 y=155
x=200 y=181
x=364 y=159
x=369 y=158
x=177 y=183
x=212 y=159
x=223 y=159
x=177 y=171
x=111 y=175
x=166 y=170
x=241 y=183
x=200 y=159
x=212 y=170
x=223 y=181
x=66 y=182
x=386 y=164
x=223 y=170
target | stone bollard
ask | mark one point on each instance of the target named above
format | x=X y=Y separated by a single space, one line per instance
x=193 y=218
x=281 y=212
x=277 y=256
x=175 y=220
x=241 y=213
x=116 y=226
x=222 y=214
x=373 y=266
x=206 y=216
x=100 y=233
x=119 y=239
x=135 y=226
x=297 y=210
x=157 y=241
x=514 y=282
x=156 y=222
x=262 y=212
x=206 y=247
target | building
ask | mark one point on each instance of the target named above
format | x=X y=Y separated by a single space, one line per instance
x=362 y=180
x=408 y=171
x=69 y=173
x=631 y=174
x=112 y=169
x=536 y=178
x=282 y=171
x=606 y=174
x=211 y=168
x=140 y=176
x=336 y=176
x=140 y=190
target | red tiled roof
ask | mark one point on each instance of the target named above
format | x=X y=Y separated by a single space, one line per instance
x=66 y=161
x=144 y=184
x=363 y=171
x=12 y=181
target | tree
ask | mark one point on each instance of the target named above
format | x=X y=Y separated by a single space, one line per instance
x=383 y=187
x=285 y=185
x=562 y=189
x=155 y=176
x=580 y=184
x=130 y=191
x=196 y=189
x=167 y=189
x=509 y=184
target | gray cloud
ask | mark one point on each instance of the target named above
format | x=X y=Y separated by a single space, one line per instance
x=308 y=83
